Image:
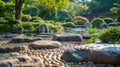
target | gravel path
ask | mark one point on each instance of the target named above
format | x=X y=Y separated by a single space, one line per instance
x=51 y=57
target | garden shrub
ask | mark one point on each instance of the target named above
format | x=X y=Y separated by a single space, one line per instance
x=92 y=30
x=3 y=21
x=80 y=20
x=114 y=24
x=68 y=24
x=26 y=18
x=5 y=27
x=98 y=23
x=54 y=26
x=29 y=26
x=13 y=21
x=110 y=35
x=37 y=19
x=108 y=20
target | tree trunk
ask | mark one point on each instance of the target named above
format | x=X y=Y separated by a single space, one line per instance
x=18 y=8
x=18 y=13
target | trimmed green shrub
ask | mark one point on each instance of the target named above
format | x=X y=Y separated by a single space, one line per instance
x=108 y=20
x=26 y=18
x=13 y=21
x=110 y=34
x=80 y=20
x=5 y=27
x=29 y=26
x=98 y=23
x=37 y=19
x=68 y=24
x=114 y=24
x=3 y=21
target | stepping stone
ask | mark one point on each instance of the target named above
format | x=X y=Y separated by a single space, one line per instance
x=17 y=60
x=97 y=53
x=45 y=44
x=24 y=39
x=9 y=35
x=12 y=48
x=67 y=37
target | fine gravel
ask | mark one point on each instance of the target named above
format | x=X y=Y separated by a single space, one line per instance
x=52 y=58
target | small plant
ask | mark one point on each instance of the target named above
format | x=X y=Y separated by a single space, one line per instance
x=92 y=30
x=111 y=34
x=98 y=23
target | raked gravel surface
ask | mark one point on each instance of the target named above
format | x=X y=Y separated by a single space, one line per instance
x=52 y=58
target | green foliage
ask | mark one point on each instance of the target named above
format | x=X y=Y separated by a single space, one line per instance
x=5 y=27
x=34 y=11
x=54 y=26
x=29 y=26
x=55 y=4
x=37 y=19
x=108 y=20
x=110 y=34
x=47 y=13
x=98 y=23
x=93 y=30
x=26 y=18
x=3 y=21
x=12 y=21
x=101 y=6
x=114 y=24
x=68 y=24
x=6 y=9
x=80 y=20
x=76 y=8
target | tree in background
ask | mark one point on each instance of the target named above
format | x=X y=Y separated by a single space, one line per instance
x=117 y=8
x=101 y=5
x=18 y=8
x=6 y=8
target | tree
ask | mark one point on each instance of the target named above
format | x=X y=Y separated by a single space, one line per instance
x=56 y=4
x=49 y=8
x=18 y=8
x=101 y=5
x=2 y=6
x=117 y=6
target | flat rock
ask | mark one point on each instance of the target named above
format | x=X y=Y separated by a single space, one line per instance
x=12 y=48
x=97 y=53
x=24 y=39
x=68 y=37
x=45 y=44
x=17 y=60
x=10 y=35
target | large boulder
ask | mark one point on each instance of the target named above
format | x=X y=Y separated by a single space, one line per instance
x=17 y=60
x=43 y=29
x=96 y=53
x=12 y=48
x=16 y=30
x=67 y=37
x=45 y=44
